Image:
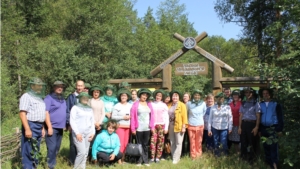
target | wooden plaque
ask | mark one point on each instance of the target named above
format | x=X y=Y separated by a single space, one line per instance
x=199 y=68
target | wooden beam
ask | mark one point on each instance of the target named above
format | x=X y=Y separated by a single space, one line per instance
x=146 y=85
x=243 y=79
x=198 y=38
x=245 y=85
x=170 y=60
x=214 y=59
x=167 y=77
x=117 y=81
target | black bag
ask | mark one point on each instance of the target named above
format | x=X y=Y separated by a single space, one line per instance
x=133 y=149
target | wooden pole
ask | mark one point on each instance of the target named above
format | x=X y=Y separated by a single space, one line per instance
x=167 y=77
x=217 y=75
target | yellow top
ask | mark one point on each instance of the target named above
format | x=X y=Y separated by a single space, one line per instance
x=180 y=116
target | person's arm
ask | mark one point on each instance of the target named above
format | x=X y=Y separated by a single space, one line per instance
x=102 y=114
x=230 y=120
x=47 y=101
x=210 y=119
x=24 y=107
x=73 y=118
x=28 y=133
x=184 y=118
x=132 y=118
x=152 y=117
x=255 y=129
x=92 y=129
x=166 y=117
x=48 y=123
x=95 y=146
x=70 y=104
x=118 y=145
x=115 y=115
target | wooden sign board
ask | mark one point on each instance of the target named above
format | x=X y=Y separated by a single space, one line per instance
x=199 y=68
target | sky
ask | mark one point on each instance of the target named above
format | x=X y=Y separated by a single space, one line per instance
x=201 y=13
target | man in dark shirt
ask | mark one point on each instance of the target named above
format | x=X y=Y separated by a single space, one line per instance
x=71 y=101
x=249 y=124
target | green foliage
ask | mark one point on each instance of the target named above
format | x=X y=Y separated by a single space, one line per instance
x=8 y=94
x=273 y=27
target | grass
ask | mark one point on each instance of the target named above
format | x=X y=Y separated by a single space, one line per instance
x=208 y=161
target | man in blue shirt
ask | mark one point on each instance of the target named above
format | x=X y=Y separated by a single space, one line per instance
x=271 y=126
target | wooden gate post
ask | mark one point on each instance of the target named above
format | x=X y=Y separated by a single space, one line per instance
x=167 y=77
x=217 y=75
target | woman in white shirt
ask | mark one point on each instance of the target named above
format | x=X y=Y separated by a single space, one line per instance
x=220 y=124
x=121 y=113
x=83 y=130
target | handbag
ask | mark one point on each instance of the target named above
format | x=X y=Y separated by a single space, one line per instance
x=133 y=149
x=167 y=147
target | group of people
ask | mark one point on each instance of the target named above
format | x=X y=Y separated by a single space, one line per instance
x=101 y=121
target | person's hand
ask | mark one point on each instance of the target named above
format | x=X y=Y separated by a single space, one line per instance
x=108 y=115
x=94 y=161
x=240 y=131
x=91 y=137
x=50 y=131
x=70 y=128
x=165 y=131
x=43 y=132
x=254 y=131
x=79 y=137
x=126 y=117
x=183 y=129
x=229 y=132
x=112 y=157
x=133 y=133
x=98 y=128
x=152 y=131
x=210 y=134
x=28 y=133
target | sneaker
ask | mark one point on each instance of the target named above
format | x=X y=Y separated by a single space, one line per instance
x=139 y=165
x=157 y=160
x=152 y=161
x=175 y=162
x=148 y=165
x=162 y=159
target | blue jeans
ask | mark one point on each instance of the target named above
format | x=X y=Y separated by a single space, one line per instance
x=220 y=141
x=53 y=145
x=209 y=141
x=26 y=145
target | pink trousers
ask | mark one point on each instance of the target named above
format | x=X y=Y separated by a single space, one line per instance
x=195 y=135
x=123 y=134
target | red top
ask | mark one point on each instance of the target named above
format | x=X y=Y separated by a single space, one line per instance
x=235 y=112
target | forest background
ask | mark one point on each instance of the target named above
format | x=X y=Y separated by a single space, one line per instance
x=101 y=40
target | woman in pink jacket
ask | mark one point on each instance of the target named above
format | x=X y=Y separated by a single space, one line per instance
x=161 y=122
x=142 y=121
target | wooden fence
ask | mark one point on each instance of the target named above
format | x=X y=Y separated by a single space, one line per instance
x=10 y=146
